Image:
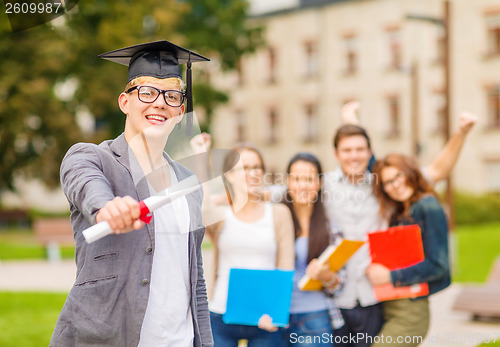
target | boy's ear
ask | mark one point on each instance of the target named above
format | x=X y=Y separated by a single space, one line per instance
x=123 y=102
x=181 y=114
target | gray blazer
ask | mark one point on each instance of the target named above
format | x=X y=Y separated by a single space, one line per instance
x=107 y=303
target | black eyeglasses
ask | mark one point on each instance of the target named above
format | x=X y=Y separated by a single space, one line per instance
x=390 y=183
x=149 y=95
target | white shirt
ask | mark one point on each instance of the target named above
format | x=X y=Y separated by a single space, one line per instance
x=355 y=209
x=245 y=246
x=168 y=320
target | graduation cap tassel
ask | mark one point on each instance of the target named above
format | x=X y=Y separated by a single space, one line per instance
x=189 y=98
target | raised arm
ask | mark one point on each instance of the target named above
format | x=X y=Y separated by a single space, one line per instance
x=212 y=210
x=350 y=115
x=442 y=165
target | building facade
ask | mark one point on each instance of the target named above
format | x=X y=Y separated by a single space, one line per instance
x=319 y=54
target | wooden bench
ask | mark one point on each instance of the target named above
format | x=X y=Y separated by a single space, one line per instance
x=482 y=301
x=53 y=233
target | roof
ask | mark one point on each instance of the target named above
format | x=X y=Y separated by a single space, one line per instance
x=302 y=5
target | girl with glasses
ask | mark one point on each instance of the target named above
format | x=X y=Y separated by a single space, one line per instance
x=257 y=235
x=406 y=197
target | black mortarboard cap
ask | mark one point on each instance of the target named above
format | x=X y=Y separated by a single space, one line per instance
x=159 y=59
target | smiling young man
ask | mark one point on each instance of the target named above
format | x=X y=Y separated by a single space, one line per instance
x=144 y=284
x=349 y=202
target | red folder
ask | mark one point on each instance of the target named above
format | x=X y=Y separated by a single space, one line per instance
x=398 y=247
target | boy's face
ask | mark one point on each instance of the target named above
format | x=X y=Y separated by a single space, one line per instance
x=157 y=119
x=353 y=155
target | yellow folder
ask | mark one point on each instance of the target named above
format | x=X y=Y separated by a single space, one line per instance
x=337 y=256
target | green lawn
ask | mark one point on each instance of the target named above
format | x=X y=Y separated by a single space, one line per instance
x=478 y=246
x=491 y=344
x=28 y=319
x=21 y=244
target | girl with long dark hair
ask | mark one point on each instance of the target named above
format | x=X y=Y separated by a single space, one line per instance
x=310 y=323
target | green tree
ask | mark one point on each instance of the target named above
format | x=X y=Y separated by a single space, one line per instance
x=34 y=124
x=38 y=124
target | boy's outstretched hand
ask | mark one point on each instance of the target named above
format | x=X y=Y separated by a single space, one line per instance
x=122 y=214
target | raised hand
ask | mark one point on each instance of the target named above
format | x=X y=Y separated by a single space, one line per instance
x=466 y=122
x=201 y=143
x=349 y=112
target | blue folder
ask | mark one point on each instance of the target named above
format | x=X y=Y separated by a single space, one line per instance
x=252 y=293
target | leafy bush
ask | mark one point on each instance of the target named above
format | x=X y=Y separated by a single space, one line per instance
x=476 y=209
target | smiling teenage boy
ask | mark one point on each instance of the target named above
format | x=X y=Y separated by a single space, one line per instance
x=144 y=284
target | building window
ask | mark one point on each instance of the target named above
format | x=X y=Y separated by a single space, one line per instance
x=493 y=27
x=351 y=57
x=393 y=111
x=494 y=106
x=240 y=126
x=395 y=48
x=440 y=112
x=440 y=46
x=310 y=124
x=311 y=61
x=492 y=170
x=239 y=72
x=271 y=60
x=273 y=127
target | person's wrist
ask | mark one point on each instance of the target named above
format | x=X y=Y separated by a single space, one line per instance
x=463 y=131
x=330 y=282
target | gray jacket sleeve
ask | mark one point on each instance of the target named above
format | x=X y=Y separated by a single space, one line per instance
x=83 y=180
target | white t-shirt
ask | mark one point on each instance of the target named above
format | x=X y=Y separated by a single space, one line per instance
x=168 y=320
x=244 y=246
x=355 y=209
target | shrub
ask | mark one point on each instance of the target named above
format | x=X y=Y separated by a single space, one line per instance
x=475 y=209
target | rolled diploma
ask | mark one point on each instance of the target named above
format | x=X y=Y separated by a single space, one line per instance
x=150 y=204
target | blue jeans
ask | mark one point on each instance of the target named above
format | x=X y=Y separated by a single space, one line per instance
x=227 y=335
x=312 y=329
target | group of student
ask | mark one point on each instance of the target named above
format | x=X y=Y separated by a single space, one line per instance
x=349 y=202
x=144 y=285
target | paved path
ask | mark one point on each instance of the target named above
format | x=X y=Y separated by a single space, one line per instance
x=448 y=328
x=455 y=328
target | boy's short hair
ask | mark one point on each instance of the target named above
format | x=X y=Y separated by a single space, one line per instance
x=348 y=130
x=145 y=79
